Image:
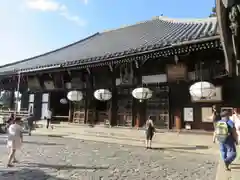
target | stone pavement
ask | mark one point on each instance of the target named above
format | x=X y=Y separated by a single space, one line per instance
x=168 y=141
x=53 y=158
x=235 y=169
x=171 y=141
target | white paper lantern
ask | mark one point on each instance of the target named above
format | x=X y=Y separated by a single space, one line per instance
x=102 y=94
x=75 y=96
x=202 y=90
x=63 y=101
x=142 y=93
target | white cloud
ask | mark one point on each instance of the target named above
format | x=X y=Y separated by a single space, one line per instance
x=45 y=5
x=53 y=5
x=85 y=1
x=73 y=18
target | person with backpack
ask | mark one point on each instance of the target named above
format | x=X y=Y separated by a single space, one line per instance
x=225 y=133
x=215 y=118
x=149 y=132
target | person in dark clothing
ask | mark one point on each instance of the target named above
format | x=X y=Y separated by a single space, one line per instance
x=149 y=132
x=30 y=121
x=11 y=118
x=49 y=119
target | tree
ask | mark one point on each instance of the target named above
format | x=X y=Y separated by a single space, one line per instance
x=213 y=13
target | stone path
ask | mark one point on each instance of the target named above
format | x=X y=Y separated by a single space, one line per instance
x=54 y=158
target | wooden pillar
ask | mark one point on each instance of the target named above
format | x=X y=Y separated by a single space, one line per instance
x=70 y=114
x=140 y=109
x=89 y=105
x=86 y=107
x=24 y=100
x=177 y=119
x=113 y=102
x=12 y=100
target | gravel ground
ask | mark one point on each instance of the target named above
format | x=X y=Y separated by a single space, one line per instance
x=55 y=158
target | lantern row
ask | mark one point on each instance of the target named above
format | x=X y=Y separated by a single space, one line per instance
x=201 y=90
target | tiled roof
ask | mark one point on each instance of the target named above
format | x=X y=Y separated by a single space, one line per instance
x=153 y=34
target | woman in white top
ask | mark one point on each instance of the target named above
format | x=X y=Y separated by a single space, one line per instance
x=14 y=141
x=236 y=120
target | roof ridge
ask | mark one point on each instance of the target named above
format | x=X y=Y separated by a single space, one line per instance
x=165 y=18
x=49 y=52
x=187 y=20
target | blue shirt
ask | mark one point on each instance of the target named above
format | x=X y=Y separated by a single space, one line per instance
x=230 y=139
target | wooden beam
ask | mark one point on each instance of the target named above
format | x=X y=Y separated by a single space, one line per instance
x=136 y=64
x=110 y=67
x=88 y=70
x=69 y=72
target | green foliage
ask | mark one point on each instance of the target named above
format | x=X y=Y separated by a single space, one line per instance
x=213 y=13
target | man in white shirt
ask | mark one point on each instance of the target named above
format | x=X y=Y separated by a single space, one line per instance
x=49 y=118
x=236 y=119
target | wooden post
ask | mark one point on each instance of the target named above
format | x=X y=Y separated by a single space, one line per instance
x=70 y=114
x=112 y=116
x=12 y=98
x=89 y=113
x=178 y=122
x=140 y=106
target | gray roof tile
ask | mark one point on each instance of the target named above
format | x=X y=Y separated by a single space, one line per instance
x=151 y=34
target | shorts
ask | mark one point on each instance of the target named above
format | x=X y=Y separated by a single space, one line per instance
x=149 y=136
x=15 y=143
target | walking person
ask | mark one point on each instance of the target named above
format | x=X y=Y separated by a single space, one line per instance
x=215 y=118
x=49 y=118
x=30 y=120
x=149 y=132
x=14 y=141
x=225 y=133
x=236 y=120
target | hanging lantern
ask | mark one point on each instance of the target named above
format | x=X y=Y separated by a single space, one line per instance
x=63 y=101
x=142 y=93
x=202 y=90
x=102 y=94
x=75 y=96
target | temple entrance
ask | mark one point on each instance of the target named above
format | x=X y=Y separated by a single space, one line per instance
x=101 y=111
x=158 y=106
x=124 y=107
x=60 y=111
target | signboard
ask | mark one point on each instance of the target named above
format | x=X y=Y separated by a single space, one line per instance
x=207 y=114
x=188 y=114
x=216 y=98
x=176 y=72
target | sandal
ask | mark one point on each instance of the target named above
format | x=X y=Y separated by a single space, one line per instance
x=15 y=161
x=10 y=165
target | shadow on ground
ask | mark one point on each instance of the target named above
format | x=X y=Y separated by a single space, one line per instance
x=4 y=142
x=26 y=174
x=64 y=167
x=181 y=148
x=41 y=143
x=235 y=166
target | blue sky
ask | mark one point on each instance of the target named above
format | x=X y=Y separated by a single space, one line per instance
x=32 y=27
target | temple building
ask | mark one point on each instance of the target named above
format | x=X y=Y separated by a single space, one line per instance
x=120 y=77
